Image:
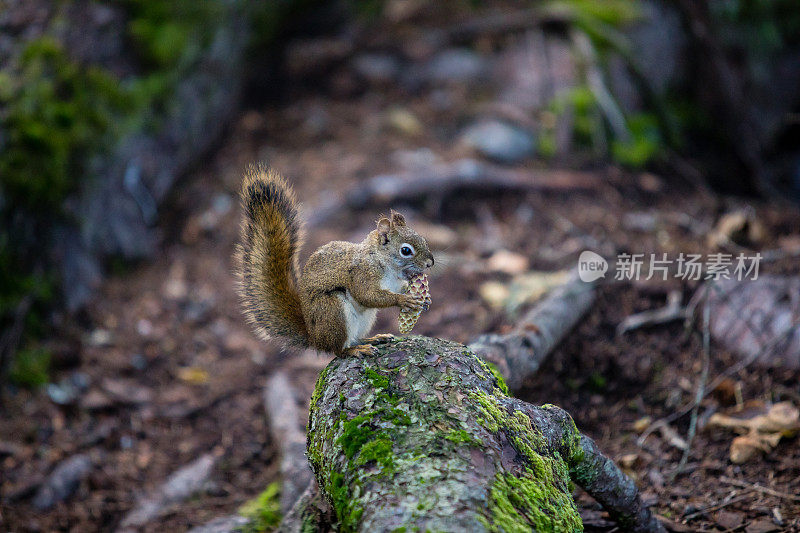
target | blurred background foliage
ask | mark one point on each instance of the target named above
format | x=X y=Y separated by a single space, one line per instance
x=60 y=112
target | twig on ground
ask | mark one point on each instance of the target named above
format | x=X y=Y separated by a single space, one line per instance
x=518 y=354
x=673 y=438
x=759 y=488
x=700 y=393
x=672 y=311
x=733 y=499
x=597 y=85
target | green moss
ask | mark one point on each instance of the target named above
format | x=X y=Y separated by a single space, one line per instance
x=461 y=436
x=347 y=509
x=31 y=367
x=501 y=383
x=55 y=113
x=361 y=442
x=263 y=511
x=378 y=450
x=378 y=380
x=319 y=389
x=521 y=504
x=545 y=498
x=355 y=434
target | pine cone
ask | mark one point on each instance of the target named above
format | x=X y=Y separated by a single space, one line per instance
x=418 y=286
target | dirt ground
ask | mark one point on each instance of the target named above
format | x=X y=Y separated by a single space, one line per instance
x=173 y=372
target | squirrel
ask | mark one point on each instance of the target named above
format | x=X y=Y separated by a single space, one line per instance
x=333 y=303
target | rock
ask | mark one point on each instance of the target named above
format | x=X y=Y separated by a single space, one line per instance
x=415 y=159
x=377 y=68
x=66 y=391
x=127 y=391
x=500 y=141
x=62 y=482
x=761 y=525
x=455 y=65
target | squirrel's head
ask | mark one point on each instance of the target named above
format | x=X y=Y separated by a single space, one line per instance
x=403 y=245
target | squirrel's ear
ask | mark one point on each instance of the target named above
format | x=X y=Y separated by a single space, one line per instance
x=397 y=219
x=384 y=226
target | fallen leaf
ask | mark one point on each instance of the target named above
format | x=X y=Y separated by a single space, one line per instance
x=763 y=428
x=193 y=375
x=782 y=418
x=761 y=526
x=405 y=122
x=643 y=423
x=672 y=437
x=507 y=262
x=746 y=447
x=739 y=227
x=529 y=287
x=628 y=460
x=494 y=293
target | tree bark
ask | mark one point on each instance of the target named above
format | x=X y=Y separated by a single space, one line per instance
x=423 y=436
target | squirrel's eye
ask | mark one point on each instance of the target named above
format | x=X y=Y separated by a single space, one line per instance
x=406 y=250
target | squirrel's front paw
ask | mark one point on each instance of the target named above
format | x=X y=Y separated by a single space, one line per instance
x=412 y=302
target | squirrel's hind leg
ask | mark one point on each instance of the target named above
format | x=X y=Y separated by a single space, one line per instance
x=360 y=349
x=380 y=338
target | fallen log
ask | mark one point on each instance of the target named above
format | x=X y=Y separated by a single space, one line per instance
x=423 y=436
x=438 y=182
x=518 y=353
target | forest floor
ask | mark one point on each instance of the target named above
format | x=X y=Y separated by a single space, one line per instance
x=173 y=371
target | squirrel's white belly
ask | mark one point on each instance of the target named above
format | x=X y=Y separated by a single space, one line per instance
x=392 y=281
x=359 y=319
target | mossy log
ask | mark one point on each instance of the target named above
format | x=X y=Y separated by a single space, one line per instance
x=423 y=436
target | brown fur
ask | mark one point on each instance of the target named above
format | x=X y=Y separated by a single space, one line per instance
x=267 y=262
x=308 y=310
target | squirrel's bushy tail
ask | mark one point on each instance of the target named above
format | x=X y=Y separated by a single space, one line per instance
x=267 y=257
